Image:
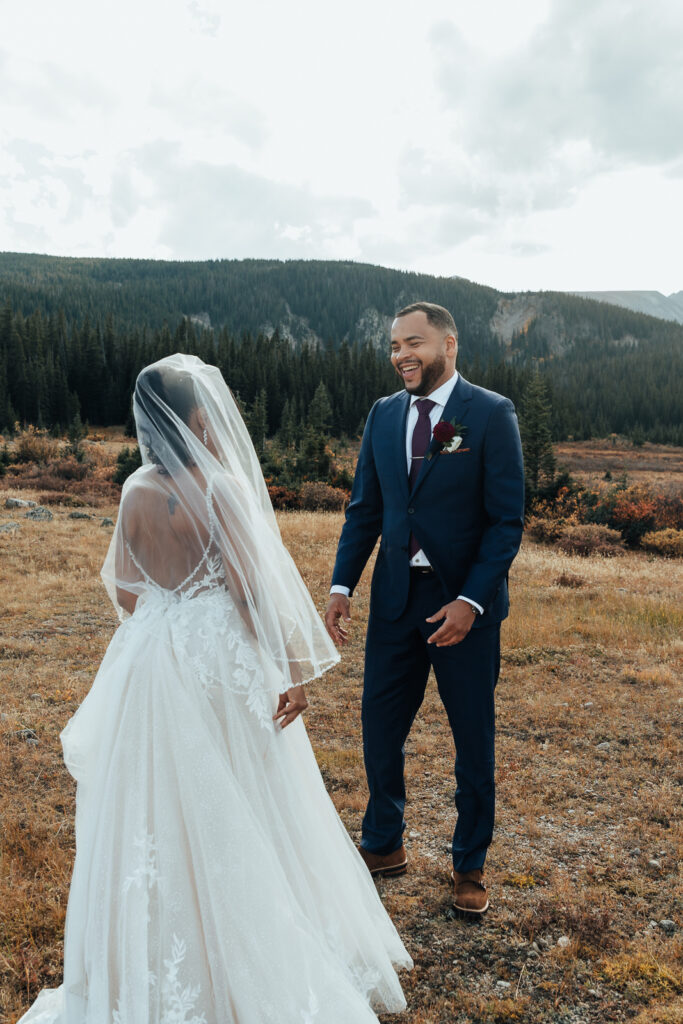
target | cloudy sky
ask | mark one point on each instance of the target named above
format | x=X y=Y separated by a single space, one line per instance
x=536 y=144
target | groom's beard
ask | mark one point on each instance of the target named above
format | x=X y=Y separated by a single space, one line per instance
x=430 y=377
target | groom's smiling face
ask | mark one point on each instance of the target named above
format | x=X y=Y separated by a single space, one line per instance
x=422 y=354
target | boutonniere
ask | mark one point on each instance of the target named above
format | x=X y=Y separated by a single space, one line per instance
x=450 y=435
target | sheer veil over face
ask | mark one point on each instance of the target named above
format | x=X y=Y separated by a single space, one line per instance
x=197 y=515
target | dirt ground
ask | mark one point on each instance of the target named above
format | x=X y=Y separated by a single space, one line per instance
x=586 y=923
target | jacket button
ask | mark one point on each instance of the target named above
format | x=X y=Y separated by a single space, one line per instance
x=410 y=511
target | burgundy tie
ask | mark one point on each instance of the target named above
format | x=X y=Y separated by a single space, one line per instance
x=422 y=435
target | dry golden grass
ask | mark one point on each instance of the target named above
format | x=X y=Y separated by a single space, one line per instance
x=659 y=465
x=577 y=824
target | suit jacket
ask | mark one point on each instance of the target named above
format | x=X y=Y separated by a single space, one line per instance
x=466 y=508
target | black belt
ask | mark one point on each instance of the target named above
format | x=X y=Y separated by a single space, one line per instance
x=422 y=570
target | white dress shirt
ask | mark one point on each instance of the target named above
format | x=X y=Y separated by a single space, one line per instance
x=440 y=397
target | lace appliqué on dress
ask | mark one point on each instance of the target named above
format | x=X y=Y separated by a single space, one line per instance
x=177 y=1001
x=218 y=649
x=146 y=869
x=219 y=628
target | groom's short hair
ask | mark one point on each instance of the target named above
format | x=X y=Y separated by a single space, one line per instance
x=437 y=316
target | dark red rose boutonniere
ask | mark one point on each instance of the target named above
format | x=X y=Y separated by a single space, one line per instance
x=450 y=436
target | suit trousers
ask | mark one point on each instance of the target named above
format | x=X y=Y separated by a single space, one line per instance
x=397 y=663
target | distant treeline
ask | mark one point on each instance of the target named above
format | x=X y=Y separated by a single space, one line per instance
x=75 y=332
x=53 y=371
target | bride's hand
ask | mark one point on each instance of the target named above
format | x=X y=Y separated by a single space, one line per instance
x=290 y=705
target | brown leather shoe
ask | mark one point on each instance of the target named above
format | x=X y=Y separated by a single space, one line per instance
x=469 y=892
x=387 y=865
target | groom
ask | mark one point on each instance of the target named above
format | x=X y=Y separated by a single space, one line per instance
x=440 y=478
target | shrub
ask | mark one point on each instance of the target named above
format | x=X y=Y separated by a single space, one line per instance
x=590 y=539
x=70 y=468
x=56 y=476
x=33 y=445
x=569 y=579
x=42 y=481
x=340 y=477
x=127 y=461
x=283 y=497
x=94 y=488
x=633 y=515
x=668 y=543
x=634 y=510
x=564 y=506
x=544 y=529
x=60 y=498
x=319 y=497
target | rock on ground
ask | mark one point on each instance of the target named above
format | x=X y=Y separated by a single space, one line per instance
x=19 y=503
x=40 y=513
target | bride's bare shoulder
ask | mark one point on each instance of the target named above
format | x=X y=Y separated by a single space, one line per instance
x=143 y=474
x=224 y=480
x=144 y=489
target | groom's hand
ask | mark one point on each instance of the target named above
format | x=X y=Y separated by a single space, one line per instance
x=338 y=607
x=458 y=616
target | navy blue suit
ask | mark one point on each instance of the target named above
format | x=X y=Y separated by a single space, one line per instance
x=466 y=510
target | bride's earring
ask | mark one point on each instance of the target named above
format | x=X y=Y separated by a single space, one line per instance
x=206 y=438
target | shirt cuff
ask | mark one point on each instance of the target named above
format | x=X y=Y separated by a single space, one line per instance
x=461 y=597
x=346 y=591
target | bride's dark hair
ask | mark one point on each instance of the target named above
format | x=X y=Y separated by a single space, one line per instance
x=161 y=400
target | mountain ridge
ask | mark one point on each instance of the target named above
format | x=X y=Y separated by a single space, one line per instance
x=74 y=333
x=315 y=301
x=652 y=303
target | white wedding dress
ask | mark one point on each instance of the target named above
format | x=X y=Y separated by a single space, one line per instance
x=214 y=882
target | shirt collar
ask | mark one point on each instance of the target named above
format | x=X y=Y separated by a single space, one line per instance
x=441 y=395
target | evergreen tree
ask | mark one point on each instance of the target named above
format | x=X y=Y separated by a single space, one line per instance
x=75 y=435
x=320 y=411
x=314 y=461
x=539 y=458
x=127 y=461
x=258 y=422
x=287 y=433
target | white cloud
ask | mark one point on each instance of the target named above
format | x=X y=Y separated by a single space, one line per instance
x=184 y=207
x=457 y=138
x=598 y=78
x=208 y=21
x=196 y=106
x=207 y=210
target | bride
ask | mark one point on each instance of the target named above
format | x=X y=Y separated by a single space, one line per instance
x=214 y=882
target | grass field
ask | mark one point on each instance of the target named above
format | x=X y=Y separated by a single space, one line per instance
x=589 y=836
x=658 y=465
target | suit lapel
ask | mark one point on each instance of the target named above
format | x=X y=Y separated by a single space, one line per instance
x=403 y=405
x=456 y=409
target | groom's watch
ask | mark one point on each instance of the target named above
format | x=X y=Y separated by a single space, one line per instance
x=475 y=611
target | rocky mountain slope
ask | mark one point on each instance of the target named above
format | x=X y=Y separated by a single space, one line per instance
x=666 y=307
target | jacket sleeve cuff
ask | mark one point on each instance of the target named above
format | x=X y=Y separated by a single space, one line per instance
x=475 y=604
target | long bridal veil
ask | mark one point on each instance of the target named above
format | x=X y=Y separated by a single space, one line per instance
x=200 y=465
